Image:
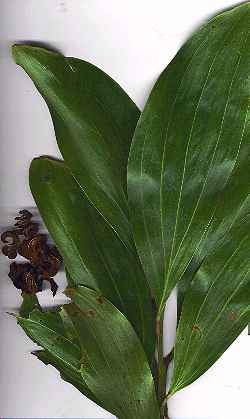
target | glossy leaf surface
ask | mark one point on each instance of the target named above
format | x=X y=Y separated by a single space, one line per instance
x=94 y=121
x=111 y=361
x=186 y=147
x=92 y=252
x=216 y=308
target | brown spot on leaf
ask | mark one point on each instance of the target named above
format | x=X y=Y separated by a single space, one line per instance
x=100 y=300
x=83 y=362
x=232 y=316
x=196 y=328
x=91 y=313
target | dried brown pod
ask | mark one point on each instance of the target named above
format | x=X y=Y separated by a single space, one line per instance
x=25 y=226
x=25 y=277
x=10 y=237
x=44 y=260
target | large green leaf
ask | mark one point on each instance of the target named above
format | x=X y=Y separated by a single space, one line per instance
x=216 y=308
x=112 y=363
x=92 y=252
x=231 y=213
x=94 y=121
x=186 y=146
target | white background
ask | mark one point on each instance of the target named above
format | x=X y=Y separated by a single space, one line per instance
x=132 y=41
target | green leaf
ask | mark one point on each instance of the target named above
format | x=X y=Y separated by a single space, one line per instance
x=184 y=285
x=60 y=322
x=114 y=365
x=111 y=361
x=220 y=291
x=94 y=121
x=193 y=130
x=231 y=213
x=47 y=330
x=69 y=328
x=216 y=308
x=92 y=252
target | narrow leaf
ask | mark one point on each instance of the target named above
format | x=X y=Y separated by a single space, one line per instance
x=186 y=147
x=92 y=252
x=114 y=365
x=94 y=121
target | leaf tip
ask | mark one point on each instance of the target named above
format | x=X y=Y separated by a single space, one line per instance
x=18 y=51
x=12 y=314
x=14 y=51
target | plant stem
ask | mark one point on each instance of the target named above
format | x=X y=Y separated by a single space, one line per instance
x=166 y=412
x=164 y=409
x=167 y=361
x=161 y=364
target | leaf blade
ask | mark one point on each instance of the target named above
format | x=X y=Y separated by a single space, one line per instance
x=215 y=311
x=110 y=345
x=174 y=181
x=94 y=120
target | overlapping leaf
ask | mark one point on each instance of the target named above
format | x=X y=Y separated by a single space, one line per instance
x=111 y=360
x=188 y=141
x=92 y=252
x=94 y=121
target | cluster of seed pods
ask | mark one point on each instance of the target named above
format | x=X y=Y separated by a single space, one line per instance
x=43 y=260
